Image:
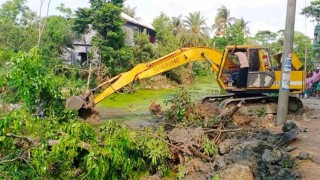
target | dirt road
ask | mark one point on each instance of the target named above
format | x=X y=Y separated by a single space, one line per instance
x=308 y=139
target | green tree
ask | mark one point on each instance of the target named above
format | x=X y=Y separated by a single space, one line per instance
x=143 y=49
x=17 y=11
x=129 y=11
x=265 y=37
x=67 y=12
x=303 y=48
x=222 y=21
x=233 y=35
x=105 y=19
x=244 y=25
x=196 y=31
x=166 y=41
x=313 y=10
x=17 y=29
x=177 y=25
x=57 y=35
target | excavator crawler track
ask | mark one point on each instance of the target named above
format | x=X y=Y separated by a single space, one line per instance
x=261 y=102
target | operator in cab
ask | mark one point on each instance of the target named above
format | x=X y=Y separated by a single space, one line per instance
x=242 y=79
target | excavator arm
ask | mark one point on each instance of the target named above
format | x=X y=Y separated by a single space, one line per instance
x=145 y=70
x=168 y=62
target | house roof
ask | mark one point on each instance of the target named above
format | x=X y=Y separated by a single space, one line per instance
x=87 y=38
x=135 y=21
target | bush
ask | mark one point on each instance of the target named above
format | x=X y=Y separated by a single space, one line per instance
x=56 y=143
x=32 y=147
x=182 y=110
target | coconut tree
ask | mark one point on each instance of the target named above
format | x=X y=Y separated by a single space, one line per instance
x=195 y=32
x=222 y=20
x=177 y=24
x=244 y=25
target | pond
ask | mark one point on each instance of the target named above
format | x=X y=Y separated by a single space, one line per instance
x=135 y=106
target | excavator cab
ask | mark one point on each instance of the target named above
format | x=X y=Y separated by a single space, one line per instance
x=263 y=76
x=259 y=75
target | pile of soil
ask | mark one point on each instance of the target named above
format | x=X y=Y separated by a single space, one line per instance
x=246 y=155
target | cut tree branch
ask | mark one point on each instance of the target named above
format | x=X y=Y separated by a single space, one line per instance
x=199 y=154
x=222 y=130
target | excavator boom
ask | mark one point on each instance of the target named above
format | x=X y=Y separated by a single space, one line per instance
x=168 y=62
x=145 y=70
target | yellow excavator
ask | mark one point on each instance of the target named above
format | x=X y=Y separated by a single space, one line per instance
x=263 y=78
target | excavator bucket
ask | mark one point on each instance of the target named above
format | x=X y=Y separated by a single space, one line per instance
x=90 y=115
x=75 y=102
x=79 y=103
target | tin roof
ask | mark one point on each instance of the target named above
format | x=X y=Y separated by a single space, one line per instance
x=135 y=21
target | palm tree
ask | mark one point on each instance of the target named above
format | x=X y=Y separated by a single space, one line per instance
x=222 y=20
x=244 y=25
x=195 y=32
x=177 y=24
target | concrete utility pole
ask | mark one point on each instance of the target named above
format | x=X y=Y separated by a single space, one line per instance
x=282 y=111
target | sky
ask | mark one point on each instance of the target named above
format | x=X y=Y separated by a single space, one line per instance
x=261 y=14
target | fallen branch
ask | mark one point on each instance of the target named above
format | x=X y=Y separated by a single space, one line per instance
x=81 y=144
x=165 y=141
x=19 y=156
x=230 y=112
x=51 y=142
x=77 y=173
x=223 y=130
x=199 y=154
x=26 y=138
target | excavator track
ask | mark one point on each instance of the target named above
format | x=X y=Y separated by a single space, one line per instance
x=265 y=103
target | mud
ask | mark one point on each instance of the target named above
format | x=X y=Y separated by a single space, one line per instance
x=246 y=155
x=264 y=153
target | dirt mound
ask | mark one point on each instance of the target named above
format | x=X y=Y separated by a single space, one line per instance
x=237 y=171
x=245 y=155
x=197 y=169
x=263 y=152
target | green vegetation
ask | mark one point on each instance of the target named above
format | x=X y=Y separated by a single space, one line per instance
x=196 y=31
x=40 y=139
x=312 y=10
x=142 y=98
x=105 y=18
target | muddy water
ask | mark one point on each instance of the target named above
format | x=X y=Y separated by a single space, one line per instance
x=135 y=106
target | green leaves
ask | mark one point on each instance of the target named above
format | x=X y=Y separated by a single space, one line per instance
x=126 y=153
x=181 y=106
x=143 y=49
x=209 y=147
x=166 y=40
x=105 y=18
x=313 y=10
x=196 y=31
